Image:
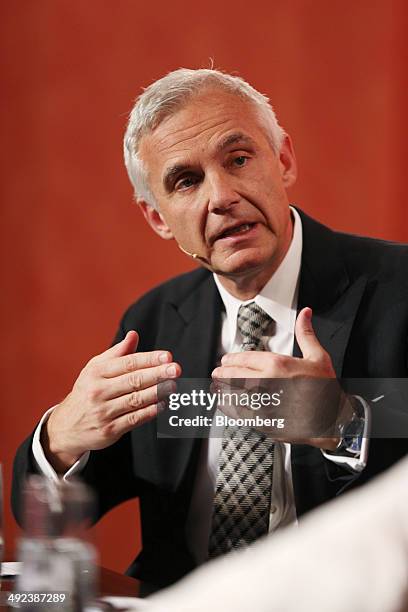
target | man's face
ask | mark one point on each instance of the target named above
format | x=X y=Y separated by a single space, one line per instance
x=219 y=186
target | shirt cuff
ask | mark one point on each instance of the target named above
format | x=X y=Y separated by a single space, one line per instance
x=43 y=465
x=358 y=461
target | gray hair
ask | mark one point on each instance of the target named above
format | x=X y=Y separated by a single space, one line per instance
x=166 y=96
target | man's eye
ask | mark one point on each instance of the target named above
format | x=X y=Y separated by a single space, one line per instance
x=241 y=160
x=185 y=183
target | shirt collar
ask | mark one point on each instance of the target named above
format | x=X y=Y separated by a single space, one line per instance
x=278 y=298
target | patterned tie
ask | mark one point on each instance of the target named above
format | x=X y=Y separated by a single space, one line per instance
x=244 y=480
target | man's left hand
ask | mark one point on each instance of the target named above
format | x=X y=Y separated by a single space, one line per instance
x=315 y=363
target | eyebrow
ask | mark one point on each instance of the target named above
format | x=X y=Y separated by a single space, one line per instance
x=236 y=138
x=173 y=171
x=171 y=174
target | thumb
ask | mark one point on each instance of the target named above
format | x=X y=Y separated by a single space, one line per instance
x=305 y=336
x=124 y=347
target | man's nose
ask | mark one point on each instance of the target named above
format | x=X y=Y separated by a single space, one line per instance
x=221 y=193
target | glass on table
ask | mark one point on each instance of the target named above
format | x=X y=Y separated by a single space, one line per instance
x=55 y=551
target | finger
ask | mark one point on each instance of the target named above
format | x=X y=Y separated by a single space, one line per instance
x=132 y=362
x=248 y=359
x=234 y=372
x=138 y=399
x=139 y=379
x=305 y=336
x=125 y=346
x=130 y=420
x=132 y=402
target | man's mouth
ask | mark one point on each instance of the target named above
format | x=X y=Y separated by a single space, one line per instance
x=233 y=231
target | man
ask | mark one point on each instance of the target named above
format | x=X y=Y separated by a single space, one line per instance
x=211 y=168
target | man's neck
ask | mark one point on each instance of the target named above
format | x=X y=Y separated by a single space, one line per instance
x=248 y=286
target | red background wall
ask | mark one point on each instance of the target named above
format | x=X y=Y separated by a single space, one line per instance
x=74 y=247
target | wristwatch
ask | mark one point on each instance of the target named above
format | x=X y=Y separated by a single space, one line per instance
x=351 y=432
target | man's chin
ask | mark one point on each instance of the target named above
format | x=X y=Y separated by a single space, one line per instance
x=239 y=268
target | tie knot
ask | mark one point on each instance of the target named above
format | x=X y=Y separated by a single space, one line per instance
x=252 y=323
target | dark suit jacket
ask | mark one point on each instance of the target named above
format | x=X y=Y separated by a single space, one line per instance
x=358 y=290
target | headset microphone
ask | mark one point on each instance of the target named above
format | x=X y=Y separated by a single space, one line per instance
x=193 y=255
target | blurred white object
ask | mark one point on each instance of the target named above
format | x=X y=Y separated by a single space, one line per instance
x=350 y=555
x=129 y=603
x=10 y=568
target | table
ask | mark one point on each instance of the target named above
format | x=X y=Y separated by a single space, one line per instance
x=111 y=583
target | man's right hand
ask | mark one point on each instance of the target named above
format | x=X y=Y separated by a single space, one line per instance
x=115 y=392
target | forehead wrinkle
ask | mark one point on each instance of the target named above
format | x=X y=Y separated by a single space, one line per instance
x=184 y=134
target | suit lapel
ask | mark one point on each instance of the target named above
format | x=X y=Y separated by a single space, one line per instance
x=191 y=329
x=325 y=286
x=333 y=324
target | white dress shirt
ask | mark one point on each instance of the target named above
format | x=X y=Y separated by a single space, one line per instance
x=278 y=299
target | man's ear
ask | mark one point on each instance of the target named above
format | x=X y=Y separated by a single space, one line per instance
x=156 y=221
x=287 y=163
